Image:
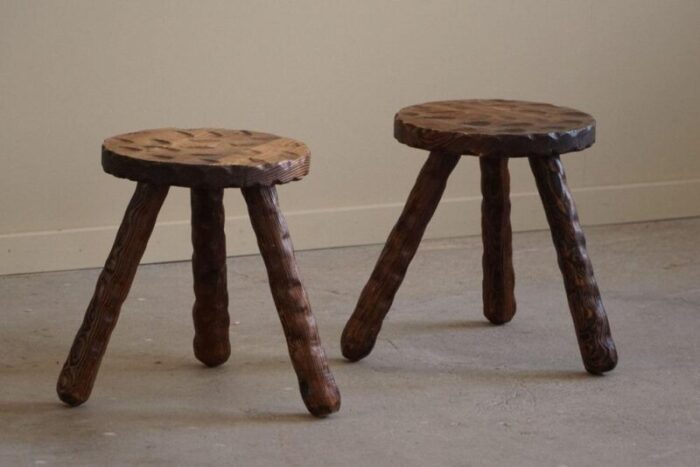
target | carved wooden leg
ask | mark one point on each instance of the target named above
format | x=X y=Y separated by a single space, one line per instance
x=591 y=323
x=210 y=310
x=318 y=388
x=361 y=331
x=78 y=375
x=499 y=278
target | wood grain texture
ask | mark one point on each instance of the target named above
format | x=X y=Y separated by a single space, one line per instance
x=210 y=310
x=494 y=128
x=80 y=369
x=590 y=320
x=318 y=388
x=205 y=158
x=361 y=331
x=497 y=261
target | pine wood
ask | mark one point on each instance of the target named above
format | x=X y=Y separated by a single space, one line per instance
x=205 y=157
x=590 y=320
x=210 y=310
x=361 y=331
x=80 y=369
x=499 y=278
x=318 y=388
x=494 y=128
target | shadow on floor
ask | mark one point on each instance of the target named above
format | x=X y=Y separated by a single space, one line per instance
x=430 y=326
x=81 y=423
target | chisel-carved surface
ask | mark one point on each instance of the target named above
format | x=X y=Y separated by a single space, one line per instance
x=494 y=128
x=205 y=157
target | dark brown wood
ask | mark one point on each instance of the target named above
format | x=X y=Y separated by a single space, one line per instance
x=80 y=370
x=497 y=262
x=590 y=320
x=361 y=331
x=210 y=310
x=205 y=158
x=495 y=128
x=318 y=388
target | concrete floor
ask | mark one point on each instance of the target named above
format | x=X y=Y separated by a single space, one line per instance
x=442 y=387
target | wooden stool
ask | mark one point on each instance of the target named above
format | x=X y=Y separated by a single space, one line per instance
x=493 y=130
x=206 y=161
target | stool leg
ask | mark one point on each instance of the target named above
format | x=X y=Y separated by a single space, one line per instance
x=361 y=331
x=318 y=388
x=80 y=370
x=210 y=310
x=591 y=323
x=497 y=262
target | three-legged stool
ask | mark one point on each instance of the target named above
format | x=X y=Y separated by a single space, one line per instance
x=206 y=161
x=493 y=130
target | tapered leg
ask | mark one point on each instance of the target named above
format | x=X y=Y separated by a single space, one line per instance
x=318 y=388
x=497 y=262
x=591 y=323
x=210 y=310
x=361 y=331
x=80 y=370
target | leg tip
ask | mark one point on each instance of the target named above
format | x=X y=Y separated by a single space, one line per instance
x=498 y=320
x=353 y=352
x=323 y=411
x=212 y=356
x=213 y=361
x=500 y=315
x=604 y=362
x=71 y=399
x=357 y=345
x=601 y=367
x=323 y=401
x=69 y=392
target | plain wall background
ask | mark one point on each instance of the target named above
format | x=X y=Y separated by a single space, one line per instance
x=333 y=73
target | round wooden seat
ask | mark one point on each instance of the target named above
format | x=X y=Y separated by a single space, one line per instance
x=494 y=128
x=205 y=157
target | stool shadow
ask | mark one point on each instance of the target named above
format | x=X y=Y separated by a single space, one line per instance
x=430 y=326
x=239 y=362
x=478 y=375
x=53 y=420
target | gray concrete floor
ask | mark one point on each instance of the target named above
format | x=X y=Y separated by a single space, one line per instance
x=442 y=386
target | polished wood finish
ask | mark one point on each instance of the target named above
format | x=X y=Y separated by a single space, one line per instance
x=80 y=369
x=494 y=128
x=590 y=320
x=497 y=262
x=210 y=310
x=361 y=331
x=318 y=388
x=205 y=157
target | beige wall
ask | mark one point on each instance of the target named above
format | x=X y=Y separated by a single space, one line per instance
x=332 y=73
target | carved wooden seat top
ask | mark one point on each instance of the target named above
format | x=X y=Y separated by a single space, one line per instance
x=494 y=128
x=207 y=157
